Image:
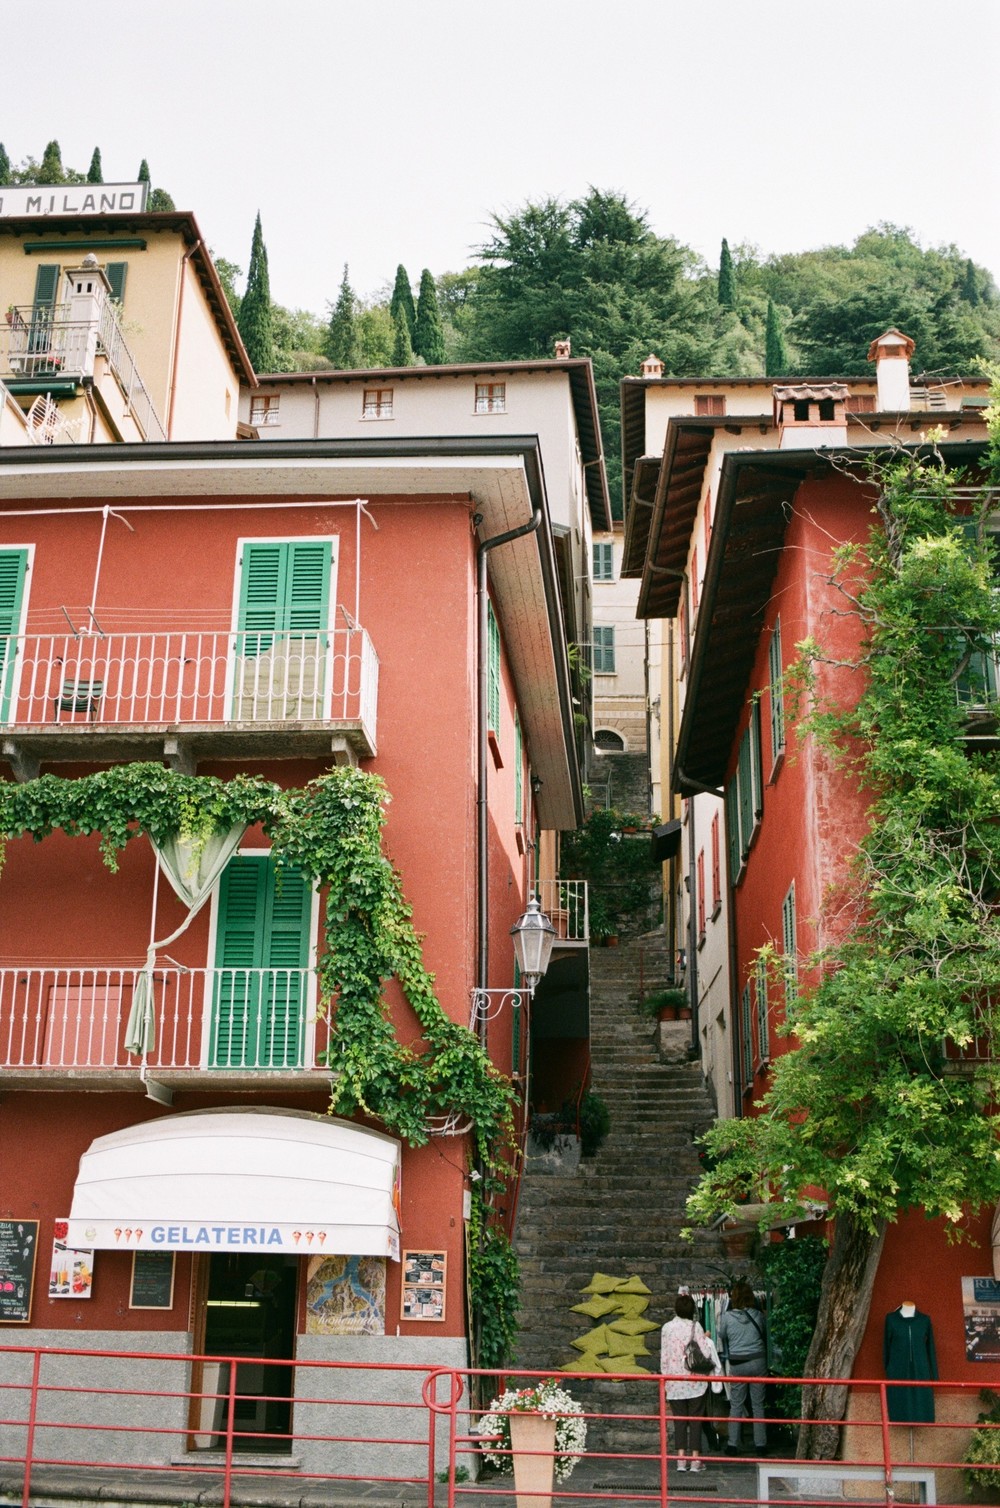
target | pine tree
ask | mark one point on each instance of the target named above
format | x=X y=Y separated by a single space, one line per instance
x=255 y=322
x=970 y=285
x=428 y=340
x=402 y=346
x=160 y=200
x=5 y=173
x=341 y=344
x=143 y=171
x=775 y=350
x=727 y=278
x=95 y=173
x=52 y=170
x=402 y=300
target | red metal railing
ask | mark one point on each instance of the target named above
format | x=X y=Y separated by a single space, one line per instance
x=71 y=1418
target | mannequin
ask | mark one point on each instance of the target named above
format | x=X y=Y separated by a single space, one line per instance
x=908 y=1354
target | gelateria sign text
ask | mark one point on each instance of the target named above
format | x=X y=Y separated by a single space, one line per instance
x=195 y=1235
x=72 y=199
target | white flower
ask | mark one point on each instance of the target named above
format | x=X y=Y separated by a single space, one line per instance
x=552 y=1402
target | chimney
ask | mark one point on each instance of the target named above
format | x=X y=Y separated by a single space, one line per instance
x=891 y=353
x=652 y=366
x=88 y=292
x=810 y=414
x=562 y=350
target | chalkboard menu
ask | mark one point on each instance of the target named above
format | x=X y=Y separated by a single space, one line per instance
x=18 y=1250
x=152 y=1280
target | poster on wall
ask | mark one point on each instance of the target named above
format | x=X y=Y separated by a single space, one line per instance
x=981 y=1308
x=71 y=1275
x=424 y=1275
x=18 y=1250
x=345 y=1296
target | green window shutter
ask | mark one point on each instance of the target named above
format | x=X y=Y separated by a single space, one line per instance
x=307 y=587
x=776 y=672
x=518 y=773
x=493 y=671
x=733 y=828
x=756 y=764
x=263 y=924
x=746 y=794
x=46 y=282
x=116 y=275
x=515 y=1025
x=284 y=589
x=604 y=649
x=746 y=1033
x=13 y=569
x=763 y=1035
x=789 y=943
x=604 y=563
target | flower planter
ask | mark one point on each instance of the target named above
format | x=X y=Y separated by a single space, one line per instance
x=533 y=1443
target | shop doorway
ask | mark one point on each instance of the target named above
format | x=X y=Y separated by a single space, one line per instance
x=249 y=1309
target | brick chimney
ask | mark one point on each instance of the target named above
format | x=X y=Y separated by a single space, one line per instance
x=562 y=350
x=891 y=353
x=809 y=414
x=652 y=366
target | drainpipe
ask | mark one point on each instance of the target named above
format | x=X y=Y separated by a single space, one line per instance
x=482 y=718
x=315 y=388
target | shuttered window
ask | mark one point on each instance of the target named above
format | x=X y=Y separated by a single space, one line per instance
x=13 y=569
x=518 y=772
x=261 y=953
x=604 y=562
x=746 y=794
x=716 y=866
x=763 y=1034
x=46 y=282
x=284 y=588
x=776 y=672
x=756 y=763
x=746 y=1036
x=733 y=829
x=493 y=671
x=604 y=649
x=116 y=273
x=790 y=944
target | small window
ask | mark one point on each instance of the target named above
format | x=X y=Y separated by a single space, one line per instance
x=604 y=560
x=763 y=1034
x=713 y=404
x=377 y=403
x=789 y=942
x=604 y=650
x=491 y=397
x=264 y=411
x=518 y=772
x=777 y=690
x=800 y=408
x=860 y=403
x=610 y=741
x=826 y=409
x=493 y=672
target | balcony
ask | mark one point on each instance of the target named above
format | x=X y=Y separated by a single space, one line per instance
x=214 y=1028
x=565 y=903
x=186 y=696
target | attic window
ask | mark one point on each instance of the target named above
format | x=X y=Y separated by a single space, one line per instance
x=826 y=408
x=491 y=397
x=713 y=404
x=264 y=411
x=802 y=410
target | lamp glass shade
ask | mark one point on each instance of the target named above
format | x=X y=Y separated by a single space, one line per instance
x=533 y=935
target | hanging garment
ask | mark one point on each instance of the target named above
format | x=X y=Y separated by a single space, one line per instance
x=908 y=1354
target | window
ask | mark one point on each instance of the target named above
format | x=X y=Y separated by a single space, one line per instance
x=491 y=397
x=860 y=403
x=746 y=1044
x=604 y=560
x=377 y=403
x=13 y=570
x=493 y=672
x=701 y=895
x=518 y=773
x=776 y=672
x=116 y=272
x=716 y=867
x=609 y=740
x=713 y=404
x=745 y=795
x=685 y=627
x=763 y=1035
x=789 y=944
x=604 y=650
x=694 y=585
x=286 y=587
x=264 y=411
x=46 y=283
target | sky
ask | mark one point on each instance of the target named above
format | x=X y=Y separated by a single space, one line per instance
x=378 y=133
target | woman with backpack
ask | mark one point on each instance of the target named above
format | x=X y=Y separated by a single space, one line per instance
x=688 y=1355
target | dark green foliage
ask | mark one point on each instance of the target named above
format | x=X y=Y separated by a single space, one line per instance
x=428 y=340
x=341 y=344
x=402 y=348
x=95 y=173
x=494 y=1284
x=775 y=350
x=793 y=1275
x=254 y=319
x=401 y=303
x=970 y=284
x=143 y=172
x=595 y=1122
x=726 y=291
x=618 y=867
x=51 y=169
x=228 y=275
x=159 y=201
x=5 y=176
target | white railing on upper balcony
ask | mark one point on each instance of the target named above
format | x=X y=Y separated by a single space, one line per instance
x=210 y=1019
x=181 y=678
x=565 y=903
x=41 y=340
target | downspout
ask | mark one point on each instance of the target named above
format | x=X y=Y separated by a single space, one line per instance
x=315 y=388
x=185 y=259
x=482 y=730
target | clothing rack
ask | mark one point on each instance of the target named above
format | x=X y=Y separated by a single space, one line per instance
x=711 y=1304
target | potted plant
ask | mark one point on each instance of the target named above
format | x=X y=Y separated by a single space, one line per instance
x=665 y=1005
x=982 y=1458
x=538 y=1432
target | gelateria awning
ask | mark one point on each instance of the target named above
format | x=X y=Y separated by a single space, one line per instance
x=239 y=1180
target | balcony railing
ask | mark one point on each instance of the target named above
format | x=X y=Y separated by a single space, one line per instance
x=183 y=679
x=565 y=903
x=73 y=1019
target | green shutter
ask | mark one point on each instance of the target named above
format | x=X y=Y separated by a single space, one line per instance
x=284 y=605
x=733 y=828
x=263 y=924
x=116 y=274
x=518 y=772
x=13 y=569
x=776 y=673
x=789 y=943
x=746 y=794
x=763 y=1035
x=746 y=1032
x=46 y=282
x=493 y=671
x=756 y=766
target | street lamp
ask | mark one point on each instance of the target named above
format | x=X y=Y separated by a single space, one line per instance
x=533 y=936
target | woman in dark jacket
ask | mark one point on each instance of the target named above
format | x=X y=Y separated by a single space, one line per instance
x=743 y=1342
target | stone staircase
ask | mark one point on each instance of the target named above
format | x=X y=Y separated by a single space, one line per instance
x=621 y=1211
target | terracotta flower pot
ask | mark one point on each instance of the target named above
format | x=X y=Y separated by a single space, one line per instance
x=532 y=1444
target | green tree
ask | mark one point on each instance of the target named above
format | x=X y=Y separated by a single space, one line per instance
x=95 y=173
x=727 y=277
x=254 y=319
x=143 y=171
x=51 y=169
x=775 y=350
x=341 y=344
x=298 y=340
x=428 y=341
x=376 y=335
x=402 y=300
x=229 y=275
x=970 y=283
x=5 y=170
x=402 y=349
x=160 y=202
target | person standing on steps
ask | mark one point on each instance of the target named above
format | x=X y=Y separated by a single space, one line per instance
x=743 y=1341
x=687 y=1392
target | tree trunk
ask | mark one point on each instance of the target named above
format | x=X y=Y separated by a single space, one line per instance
x=840 y=1324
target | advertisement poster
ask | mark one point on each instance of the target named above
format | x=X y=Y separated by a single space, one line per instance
x=981 y=1307
x=345 y=1296
x=72 y=1273
x=423 y=1285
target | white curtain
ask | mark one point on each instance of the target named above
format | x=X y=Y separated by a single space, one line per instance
x=193 y=870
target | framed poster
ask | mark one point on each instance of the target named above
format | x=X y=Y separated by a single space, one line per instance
x=424 y=1274
x=152 y=1285
x=71 y=1275
x=18 y=1251
x=345 y=1296
x=981 y=1310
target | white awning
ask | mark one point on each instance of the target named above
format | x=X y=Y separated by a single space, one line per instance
x=237 y=1180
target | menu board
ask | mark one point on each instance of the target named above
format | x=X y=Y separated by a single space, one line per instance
x=423 y=1285
x=18 y=1250
x=152 y=1280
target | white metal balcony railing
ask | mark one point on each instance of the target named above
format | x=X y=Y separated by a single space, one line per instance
x=225 y=1019
x=565 y=902
x=41 y=340
x=189 y=678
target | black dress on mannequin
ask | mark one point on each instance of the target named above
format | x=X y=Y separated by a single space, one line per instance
x=908 y=1354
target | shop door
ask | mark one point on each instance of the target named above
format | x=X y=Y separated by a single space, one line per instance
x=261 y=959
x=250 y=1311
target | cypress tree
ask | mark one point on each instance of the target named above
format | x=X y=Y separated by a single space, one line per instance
x=95 y=173
x=402 y=301
x=402 y=346
x=775 y=350
x=970 y=285
x=51 y=170
x=727 y=278
x=5 y=174
x=254 y=322
x=341 y=344
x=428 y=339
x=144 y=171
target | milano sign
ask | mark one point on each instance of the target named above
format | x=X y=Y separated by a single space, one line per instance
x=72 y=199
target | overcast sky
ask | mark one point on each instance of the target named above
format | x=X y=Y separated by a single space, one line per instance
x=386 y=132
